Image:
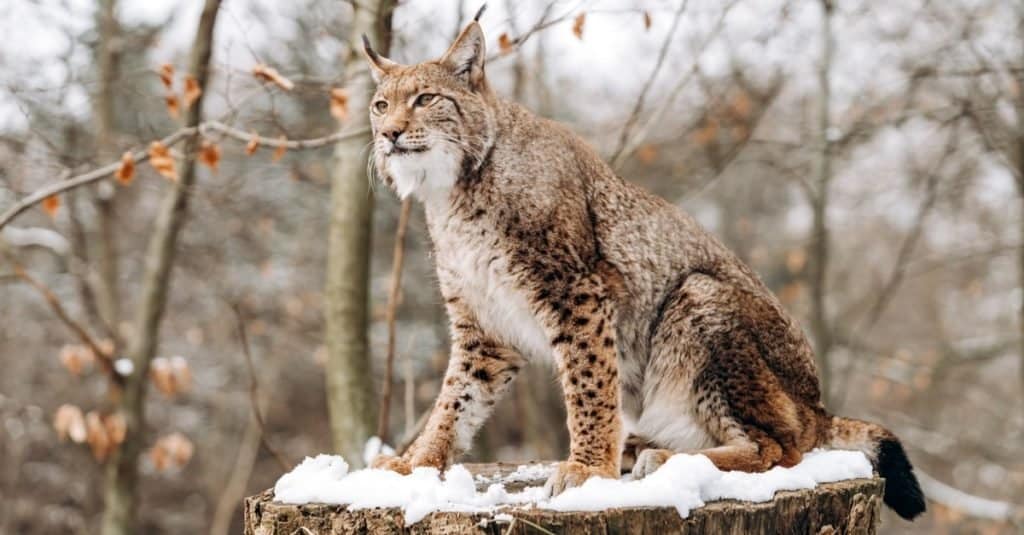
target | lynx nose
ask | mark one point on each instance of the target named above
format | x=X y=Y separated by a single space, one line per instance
x=392 y=133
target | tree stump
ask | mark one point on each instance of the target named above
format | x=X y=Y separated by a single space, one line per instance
x=844 y=507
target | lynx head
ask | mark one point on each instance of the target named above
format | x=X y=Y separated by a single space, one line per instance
x=434 y=120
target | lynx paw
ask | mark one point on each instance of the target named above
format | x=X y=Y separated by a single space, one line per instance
x=649 y=461
x=570 y=474
x=390 y=462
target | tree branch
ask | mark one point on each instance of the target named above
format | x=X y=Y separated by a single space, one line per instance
x=396 y=285
x=106 y=363
x=627 y=128
x=254 y=388
x=173 y=139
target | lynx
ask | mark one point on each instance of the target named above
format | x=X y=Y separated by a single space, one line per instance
x=663 y=340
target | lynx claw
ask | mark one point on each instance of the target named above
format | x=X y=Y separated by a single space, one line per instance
x=571 y=474
x=390 y=462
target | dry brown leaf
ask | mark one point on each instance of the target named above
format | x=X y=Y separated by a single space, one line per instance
x=173 y=450
x=162 y=161
x=209 y=155
x=181 y=373
x=116 y=427
x=504 y=43
x=796 y=260
x=647 y=20
x=253 y=144
x=577 y=25
x=270 y=74
x=97 y=437
x=339 y=103
x=167 y=75
x=281 y=149
x=69 y=423
x=706 y=133
x=158 y=455
x=76 y=358
x=172 y=105
x=162 y=376
x=192 y=91
x=50 y=205
x=647 y=154
x=180 y=448
x=126 y=172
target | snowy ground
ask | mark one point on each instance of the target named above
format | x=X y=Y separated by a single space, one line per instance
x=684 y=482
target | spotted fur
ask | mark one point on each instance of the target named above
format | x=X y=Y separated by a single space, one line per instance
x=543 y=252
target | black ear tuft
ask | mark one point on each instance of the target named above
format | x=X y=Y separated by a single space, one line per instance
x=367 y=47
x=480 y=13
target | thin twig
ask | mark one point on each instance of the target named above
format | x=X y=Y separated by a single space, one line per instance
x=396 y=285
x=642 y=99
x=173 y=139
x=101 y=356
x=541 y=24
x=254 y=388
x=640 y=134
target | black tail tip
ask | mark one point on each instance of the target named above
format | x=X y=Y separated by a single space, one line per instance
x=902 y=491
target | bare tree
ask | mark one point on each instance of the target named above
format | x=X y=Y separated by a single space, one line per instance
x=120 y=492
x=349 y=386
x=819 y=197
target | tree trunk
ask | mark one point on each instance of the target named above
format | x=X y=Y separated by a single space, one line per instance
x=108 y=60
x=349 y=384
x=848 y=507
x=820 y=239
x=122 y=467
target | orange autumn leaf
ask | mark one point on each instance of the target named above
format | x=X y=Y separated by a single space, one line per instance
x=647 y=20
x=270 y=74
x=126 y=172
x=162 y=161
x=577 y=25
x=252 y=145
x=173 y=109
x=50 y=205
x=70 y=423
x=116 y=427
x=167 y=75
x=173 y=450
x=192 y=91
x=96 y=436
x=504 y=43
x=209 y=155
x=281 y=149
x=647 y=154
x=339 y=103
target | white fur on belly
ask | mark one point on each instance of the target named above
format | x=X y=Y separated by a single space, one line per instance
x=668 y=421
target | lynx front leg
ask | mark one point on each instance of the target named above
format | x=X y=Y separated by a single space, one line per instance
x=479 y=372
x=583 y=340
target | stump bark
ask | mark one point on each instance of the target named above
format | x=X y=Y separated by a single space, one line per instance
x=845 y=507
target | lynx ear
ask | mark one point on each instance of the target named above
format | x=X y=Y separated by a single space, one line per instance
x=466 y=56
x=379 y=65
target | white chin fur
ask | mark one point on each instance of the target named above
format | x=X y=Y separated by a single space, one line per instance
x=424 y=174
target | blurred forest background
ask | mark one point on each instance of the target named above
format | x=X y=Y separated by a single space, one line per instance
x=175 y=333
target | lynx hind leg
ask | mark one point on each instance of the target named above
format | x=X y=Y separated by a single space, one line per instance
x=707 y=350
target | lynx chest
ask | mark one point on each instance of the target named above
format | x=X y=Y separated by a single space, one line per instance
x=472 y=263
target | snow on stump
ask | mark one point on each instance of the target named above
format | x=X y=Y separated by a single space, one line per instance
x=849 y=506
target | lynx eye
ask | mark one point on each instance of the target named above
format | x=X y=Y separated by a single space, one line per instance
x=425 y=99
x=381 y=106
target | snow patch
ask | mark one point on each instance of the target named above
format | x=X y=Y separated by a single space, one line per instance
x=684 y=482
x=375 y=446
